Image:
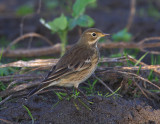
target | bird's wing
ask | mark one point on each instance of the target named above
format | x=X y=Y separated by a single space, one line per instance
x=68 y=64
x=76 y=59
x=69 y=68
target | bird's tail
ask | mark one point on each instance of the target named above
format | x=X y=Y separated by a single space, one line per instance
x=42 y=86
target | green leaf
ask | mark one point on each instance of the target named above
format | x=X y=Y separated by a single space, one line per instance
x=51 y=4
x=153 y=12
x=80 y=6
x=141 y=59
x=2 y=86
x=150 y=77
x=72 y=23
x=85 y=21
x=29 y=113
x=1 y=54
x=122 y=35
x=58 y=24
x=24 y=10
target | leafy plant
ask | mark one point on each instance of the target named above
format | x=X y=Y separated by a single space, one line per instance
x=2 y=86
x=115 y=55
x=24 y=10
x=51 y=4
x=63 y=24
x=122 y=35
x=90 y=88
x=153 y=12
x=60 y=95
x=150 y=76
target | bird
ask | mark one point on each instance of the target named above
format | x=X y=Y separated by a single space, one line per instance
x=76 y=65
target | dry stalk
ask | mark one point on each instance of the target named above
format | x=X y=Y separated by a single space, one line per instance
x=55 y=49
x=132 y=14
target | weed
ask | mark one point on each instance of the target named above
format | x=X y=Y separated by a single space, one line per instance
x=153 y=12
x=60 y=95
x=150 y=76
x=29 y=113
x=113 y=93
x=90 y=89
x=63 y=24
x=139 y=69
x=122 y=35
x=84 y=104
x=141 y=59
x=24 y=10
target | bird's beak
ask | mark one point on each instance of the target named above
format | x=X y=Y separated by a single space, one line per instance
x=103 y=34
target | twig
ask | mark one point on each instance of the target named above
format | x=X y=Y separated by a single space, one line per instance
x=151 y=94
x=51 y=62
x=141 y=45
x=32 y=63
x=4 y=100
x=148 y=67
x=19 y=88
x=7 y=122
x=132 y=14
x=141 y=89
x=20 y=77
x=103 y=83
x=139 y=77
x=13 y=83
x=39 y=7
x=27 y=36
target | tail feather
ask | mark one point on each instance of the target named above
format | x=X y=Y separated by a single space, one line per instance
x=41 y=87
x=50 y=80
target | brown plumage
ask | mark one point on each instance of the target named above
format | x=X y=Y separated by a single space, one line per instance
x=76 y=65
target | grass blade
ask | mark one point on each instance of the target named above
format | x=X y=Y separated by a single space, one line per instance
x=141 y=59
x=29 y=112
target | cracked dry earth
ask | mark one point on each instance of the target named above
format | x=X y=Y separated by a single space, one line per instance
x=103 y=111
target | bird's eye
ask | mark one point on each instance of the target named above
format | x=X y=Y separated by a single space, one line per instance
x=93 y=34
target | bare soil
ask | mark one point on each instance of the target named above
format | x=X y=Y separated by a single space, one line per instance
x=103 y=110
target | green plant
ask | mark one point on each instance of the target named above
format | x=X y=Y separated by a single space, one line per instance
x=139 y=69
x=129 y=81
x=51 y=4
x=150 y=76
x=115 y=55
x=115 y=92
x=122 y=35
x=141 y=59
x=153 y=12
x=90 y=89
x=3 y=71
x=85 y=104
x=63 y=24
x=60 y=95
x=1 y=54
x=29 y=113
x=24 y=10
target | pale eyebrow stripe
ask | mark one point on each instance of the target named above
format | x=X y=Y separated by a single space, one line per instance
x=90 y=32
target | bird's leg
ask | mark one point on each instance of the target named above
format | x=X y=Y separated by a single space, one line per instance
x=67 y=91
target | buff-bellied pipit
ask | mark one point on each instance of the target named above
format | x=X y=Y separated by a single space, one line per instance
x=76 y=65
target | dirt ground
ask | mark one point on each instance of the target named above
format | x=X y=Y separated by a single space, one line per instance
x=110 y=16
x=103 y=111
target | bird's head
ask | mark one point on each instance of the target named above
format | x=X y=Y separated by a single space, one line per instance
x=91 y=36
